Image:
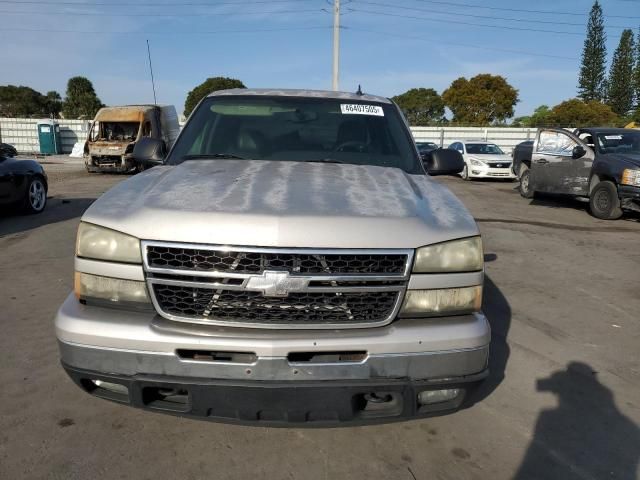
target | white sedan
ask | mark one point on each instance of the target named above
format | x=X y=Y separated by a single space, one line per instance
x=483 y=160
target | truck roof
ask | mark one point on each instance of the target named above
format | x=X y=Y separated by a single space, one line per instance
x=602 y=130
x=300 y=93
x=124 y=113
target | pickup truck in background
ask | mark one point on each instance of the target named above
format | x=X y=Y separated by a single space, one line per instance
x=601 y=164
x=521 y=155
x=290 y=263
x=115 y=131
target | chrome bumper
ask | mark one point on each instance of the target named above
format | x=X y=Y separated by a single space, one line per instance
x=132 y=343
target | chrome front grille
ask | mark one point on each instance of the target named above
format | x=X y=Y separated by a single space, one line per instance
x=276 y=288
x=223 y=260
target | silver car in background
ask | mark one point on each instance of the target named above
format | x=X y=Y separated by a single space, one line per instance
x=483 y=160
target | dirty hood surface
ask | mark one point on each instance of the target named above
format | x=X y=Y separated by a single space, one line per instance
x=632 y=159
x=283 y=204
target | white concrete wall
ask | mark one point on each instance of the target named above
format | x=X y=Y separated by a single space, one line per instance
x=22 y=134
x=504 y=137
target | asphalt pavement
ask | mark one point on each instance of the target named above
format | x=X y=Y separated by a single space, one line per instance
x=562 y=401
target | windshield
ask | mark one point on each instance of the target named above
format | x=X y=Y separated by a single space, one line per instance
x=484 y=149
x=297 y=129
x=115 y=131
x=627 y=142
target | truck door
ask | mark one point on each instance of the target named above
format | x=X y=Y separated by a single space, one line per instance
x=556 y=164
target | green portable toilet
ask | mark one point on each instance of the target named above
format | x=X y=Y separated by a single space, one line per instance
x=49 y=137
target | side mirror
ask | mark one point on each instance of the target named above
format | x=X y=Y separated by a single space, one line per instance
x=578 y=152
x=149 y=151
x=443 y=161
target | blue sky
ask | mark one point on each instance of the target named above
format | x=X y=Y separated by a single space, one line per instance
x=289 y=43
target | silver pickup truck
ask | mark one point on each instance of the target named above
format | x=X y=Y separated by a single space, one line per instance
x=289 y=263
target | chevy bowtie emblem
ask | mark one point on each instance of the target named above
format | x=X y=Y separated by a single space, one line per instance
x=276 y=284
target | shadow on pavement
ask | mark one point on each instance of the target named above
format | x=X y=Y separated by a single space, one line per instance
x=585 y=436
x=57 y=210
x=498 y=312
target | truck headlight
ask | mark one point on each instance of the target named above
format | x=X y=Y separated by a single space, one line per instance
x=101 y=243
x=446 y=301
x=455 y=256
x=110 y=290
x=631 y=177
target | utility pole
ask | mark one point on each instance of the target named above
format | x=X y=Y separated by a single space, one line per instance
x=336 y=43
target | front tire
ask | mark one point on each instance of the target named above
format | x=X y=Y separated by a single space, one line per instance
x=525 y=187
x=604 y=202
x=465 y=173
x=36 y=196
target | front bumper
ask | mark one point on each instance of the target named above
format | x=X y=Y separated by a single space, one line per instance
x=488 y=172
x=146 y=353
x=120 y=164
x=629 y=197
x=309 y=404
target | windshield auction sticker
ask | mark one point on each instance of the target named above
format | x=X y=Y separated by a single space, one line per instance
x=361 y=109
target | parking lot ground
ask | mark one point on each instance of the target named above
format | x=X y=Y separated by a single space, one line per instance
x=562 y=401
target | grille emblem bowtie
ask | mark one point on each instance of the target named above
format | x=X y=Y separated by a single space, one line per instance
x=276 y=284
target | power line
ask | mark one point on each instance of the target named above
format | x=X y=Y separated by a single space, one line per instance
x=521 y=10
x=146 y=4
x=471 y=15
x=203 y=14
x=424 y=19
x=456 y=44
x=167 y=32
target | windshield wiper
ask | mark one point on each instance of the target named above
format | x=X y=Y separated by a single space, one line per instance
x=206 y=156
x=325 y=160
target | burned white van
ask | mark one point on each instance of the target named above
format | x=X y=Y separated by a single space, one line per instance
x=115 y=131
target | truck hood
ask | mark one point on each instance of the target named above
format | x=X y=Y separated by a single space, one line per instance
x=283 y=204
x=632 y=159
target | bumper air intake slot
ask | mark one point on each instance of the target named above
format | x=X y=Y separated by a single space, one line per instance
x=327 y=357
x=217 y=356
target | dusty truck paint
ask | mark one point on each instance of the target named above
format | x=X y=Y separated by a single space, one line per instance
x=115 y=131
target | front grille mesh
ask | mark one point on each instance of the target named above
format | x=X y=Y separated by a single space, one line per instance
x=297 y=308
x=335 y=288
x=204 y=260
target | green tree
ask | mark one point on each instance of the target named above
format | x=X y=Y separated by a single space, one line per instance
x=620 y=88
x=538 y=118
x=481 y=100
x=592 y=79
x=81 y=101
x=205 y=88
x=577 y=113
x=21 y=101
x=421 y=106
x=53 y=103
